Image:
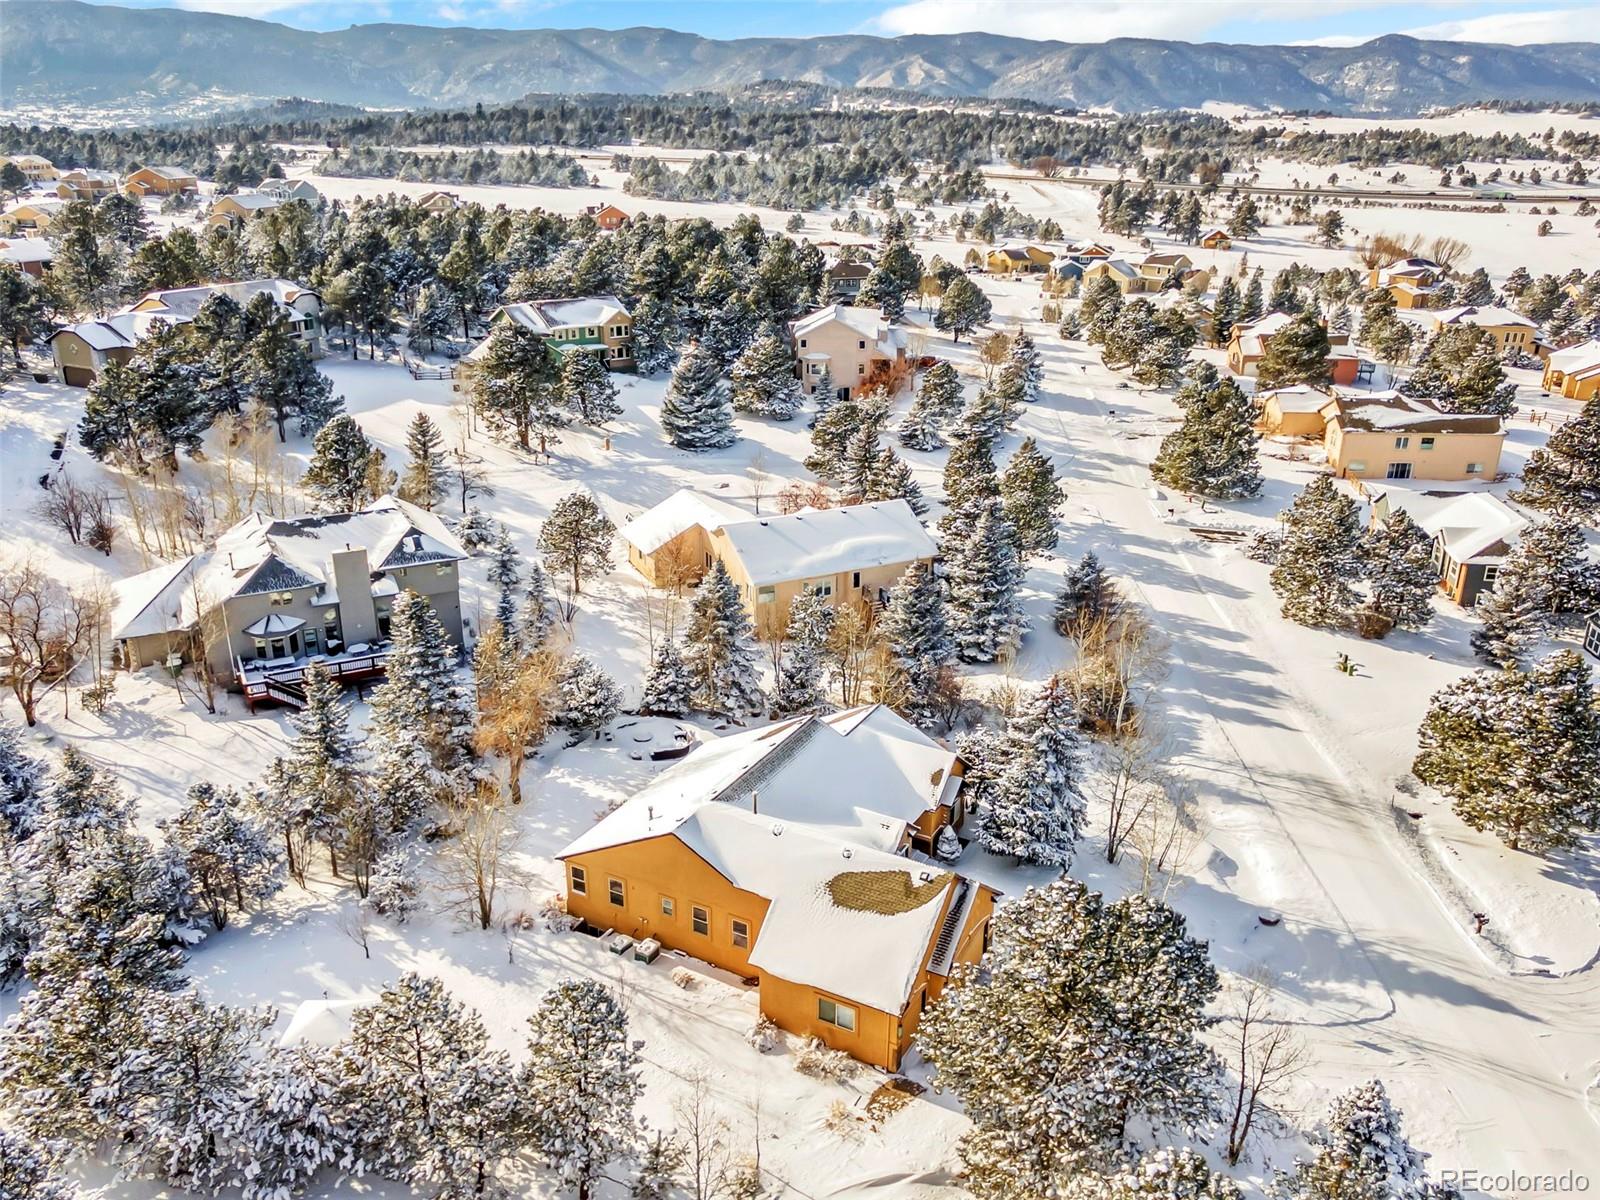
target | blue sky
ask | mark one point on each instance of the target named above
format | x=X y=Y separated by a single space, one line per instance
x=1326 y=21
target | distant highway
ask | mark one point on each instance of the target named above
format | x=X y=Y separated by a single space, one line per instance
x=1328 y=190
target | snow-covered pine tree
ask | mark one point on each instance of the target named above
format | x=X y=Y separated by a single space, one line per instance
x=801 y=685
x=27 y=1169
x=1036 y=810
x=1398 y=561
x=587 y=699
x=720 y=650
x=1360 y=1152
x=668 y=687
x=432 y=316
x=763 y=378
x=696 y=412
x=1297 y=353
x=1214 y=452
x=841 y=423
x=983 y=574
x=576 y=539
x=320 y=779
x=1547 y=574
x=939 y=394
x=419 y=705
x=346 y=470
x=970 y=480
x=515 y=386
x=893 y=479
x=1087 y=597
x=823 y=392
x=1319 y=558
x=538 y=609
x=914 y=629
x=918 y=429
x=1033 y=497
x=587 y=389
x=22 y=785
x=1025 y=361
x=286 y=1127
x=505 y=573
x=655 y=332
x=427 y=477
x=232 y=858
x=476 y=530
x=1253 y=305
x=1564 y=473
x=580 y=1082
x=858 y=466
x=1170 y=1174
x=1124 y=986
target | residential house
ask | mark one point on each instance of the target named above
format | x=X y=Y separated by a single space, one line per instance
x=1018 y=260
x=1388 y=435
x=1156 y=269
x=1247 y=345
x=598 y=325
x=844 y=279
x=286 y=190
x=1216 y=239
x=854 y=553
x=438 y=202
x=30 y=216
x=1575 y=371
x=1067 y=270
x=233 y=211
x=608 y=216
x=275 y=595
x=159 y=181
x=37 y=169
x=1084 y=253
x=1507 y=327
x=81 y=350
x=1472 y=533
x=857 y=346
x=775 y=854
x=82 y=184
x=1123 y=274
x=31 y=256
x=1413 y=282
x=1292 y=411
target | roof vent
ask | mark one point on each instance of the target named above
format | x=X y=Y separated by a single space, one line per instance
x=925 y=876
x=847 y=852
x=777 y=829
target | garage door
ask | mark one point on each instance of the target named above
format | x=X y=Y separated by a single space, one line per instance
x=79 y=376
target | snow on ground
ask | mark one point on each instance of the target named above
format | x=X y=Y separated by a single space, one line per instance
x=1295 y=768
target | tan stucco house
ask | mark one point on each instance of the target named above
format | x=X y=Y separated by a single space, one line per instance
x=30 y=217
x=232 y=212
x=857 y=346
x=1292 y=411
x=82 y=184
x=1508 y=327
x=1018 y=260
x=36 y=168
x=1413 y=282
x=1575 y=371
x=1388 y=435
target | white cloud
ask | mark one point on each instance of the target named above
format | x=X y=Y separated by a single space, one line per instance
x=1520 y=28
x=244 y=8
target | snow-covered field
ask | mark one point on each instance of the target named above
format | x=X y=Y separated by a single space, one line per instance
x=1295 y=766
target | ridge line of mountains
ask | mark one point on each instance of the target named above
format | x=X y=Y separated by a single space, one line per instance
x=72 y=53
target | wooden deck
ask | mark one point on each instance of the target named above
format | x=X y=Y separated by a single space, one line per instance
x=285 y=683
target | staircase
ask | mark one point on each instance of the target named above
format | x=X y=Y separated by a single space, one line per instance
x=291 y=694
x=945 y=946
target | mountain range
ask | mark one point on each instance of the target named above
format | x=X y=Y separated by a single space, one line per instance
x=71 y=53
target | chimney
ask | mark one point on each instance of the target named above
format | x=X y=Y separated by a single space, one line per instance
x=755 y=798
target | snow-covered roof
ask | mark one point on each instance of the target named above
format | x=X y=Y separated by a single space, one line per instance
x=1409 y=268
x=154 y=601
x=681 y=511
x=547 y=316
x=181 y=304
x=118 y=331
x=1474 y=526
x=252 y=200
x=813 y=542
x=868 y=322
x=1300 y=398
x=1373 y=411
x=1472 y=314
x=1118 y=266
x=1164 y=259
x=25 y=250
x=177 y=174
x=48 y=207
x=1576 y=359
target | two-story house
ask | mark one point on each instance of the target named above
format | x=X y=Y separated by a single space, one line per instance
x=1413 y=282
x=1389 y=435
x=598 y=325
x=275 y=594
x=778 y=854
x=1247 y=345
x=35 y=167
x=1472 y=534
x=30 y=217
x=159 y=181
x=1018 y=260
x=1575 y=371
x=232 y=212
x=1508 y=327
x=856 y=346
x=81 y=183
x=1156 y=269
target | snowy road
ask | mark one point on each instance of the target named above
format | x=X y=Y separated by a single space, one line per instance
x=1490 y=1069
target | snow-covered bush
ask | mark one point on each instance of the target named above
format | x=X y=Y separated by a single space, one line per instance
x=476 y=530
x=763 y=1035
x=395 y=891
x=947 y=846
x=818 y=1061
x=1264 y=546
x=685 y=978
x=556 y=917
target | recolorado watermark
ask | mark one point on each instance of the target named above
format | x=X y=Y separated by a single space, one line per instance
x=1518 y=1183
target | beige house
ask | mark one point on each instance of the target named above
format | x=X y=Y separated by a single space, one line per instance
x=1388 y=435
x=82 y=184
x=1472 y=533
x=439 y=202
x=854 y=553
x=82 y=350
x=1413 y=282
x=1018 y=260
x=1292 y=411
x=275 y=595
x=30 y=216
x=1507 y=326
x=1575 y=371
x=159 y=181
x=1156 y=269
x=856 y=346
x=232 y=212
x=37 y=169
x=598 y=325
x=1124 y=274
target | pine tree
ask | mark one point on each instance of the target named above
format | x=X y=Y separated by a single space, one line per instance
x=837 y=426
x=420 y=699
x=1297 y=353
x=1245 y=220
x=720 y=649
x=893 y=479
x=917 y=634
x=669 y=687
x=1517 y=752
x=1025 y=361
x=1225 y=310
x=287 y=381
x=427 y=479
x=580 y=1082
x=1036 y=811
x=505 y=573
x=1168 y=1174
x=1253 y=306
x=1033 y=497
x=1478 y=290
x=1564 y=473
x=515 y=386
x=655 y=332
x=1087 y=598
x=936 y=407
x=1318 y=559
x=586 y=388
x=1285 y=294
x=764 y=382
x=538 y=610
x=1461 y=371
x=1398 y=558
x=983 y=575
x=432 y=317
x=1547 y=574
x=919 y=429
x=229 y=853
x=587 y=699
x=696 y=413
x=1360 y=1153
x=576 y=539
x=800 y=686
x=22 y=785
x=321 y=779
x=27 y=1170
x=347 y=472
x=858 y=466
x=1084 y=1019
x=962 y=308
x=1215 y=451
x=286 y=1128
x=476 y=530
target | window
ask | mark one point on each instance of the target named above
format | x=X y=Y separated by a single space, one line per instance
x=861 y=345
x=1400 y=443
x=1591 y=638
x=615 y=892
x=668 y=907
x=841 y=1016
x=1357 y=466
x=579 y=880
x=261 y=647
x=814 y=368
x=1490 y=574
x=592 y=331
x=820 y=587
x=766 y=595
x=855 y=579
x=311 y=642
x=741 y=932
x=1427 y=443
x=802 y=343
x=861 y=368
x=1399 y=470
x=700 y=920
x=1474 y=468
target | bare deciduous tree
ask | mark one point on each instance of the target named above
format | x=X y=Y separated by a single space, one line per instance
x=1262 y=1050
x=1134 y=777
x=708 y=1157
x=516 y=703
x=1165 y=837
x=44 y=631
x=476 y=861
x=797 y=496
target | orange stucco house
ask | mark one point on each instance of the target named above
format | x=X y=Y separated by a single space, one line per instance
x=778 y=855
